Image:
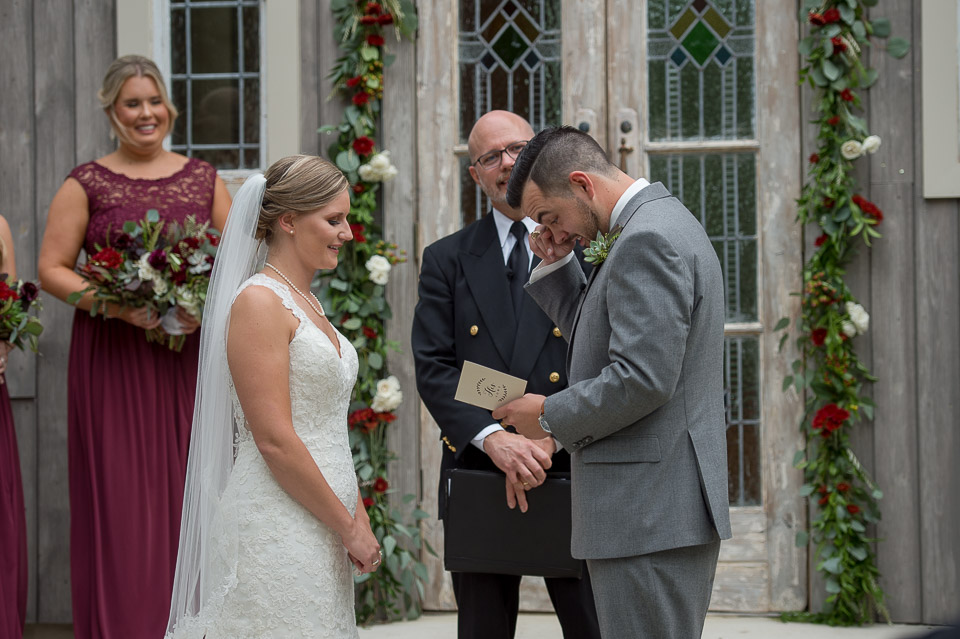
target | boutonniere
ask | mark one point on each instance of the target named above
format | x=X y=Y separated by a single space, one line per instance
x=597 y=252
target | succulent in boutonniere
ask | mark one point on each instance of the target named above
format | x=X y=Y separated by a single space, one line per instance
x=599 y=248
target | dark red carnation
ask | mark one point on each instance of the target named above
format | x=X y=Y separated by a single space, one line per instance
x=364 y=418
x=369 y=332
x=823 y=500
x=814 y=158
x=375 y=40
x=7 y=293
x=358 y=236
x=108 y=258
x=817 y=19
x=818 y=336
x=367 y=502
x=820 y=240
x=843 y=487
x=831 y=15
x=380 y=485
x=368 y=20
x=178 y=276
x=839 y=46
x=386 y=417
x=363 y=145
x=847 y=95
x=868 y=208
x=834 y=121
x=385 y=19
x=829 y=418
x=122 y=240
x=853 y=509
x=373 y=8
x=354 y=81
x=360 y=98
x=359 y=188
x=192 y=242
x=28 y=292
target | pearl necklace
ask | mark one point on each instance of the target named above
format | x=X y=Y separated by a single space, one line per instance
x=294 y=287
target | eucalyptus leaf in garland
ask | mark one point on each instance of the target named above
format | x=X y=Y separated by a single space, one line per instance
x=830 y=375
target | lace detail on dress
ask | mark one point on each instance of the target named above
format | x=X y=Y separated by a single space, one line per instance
x=114 y=198
x=281 y=572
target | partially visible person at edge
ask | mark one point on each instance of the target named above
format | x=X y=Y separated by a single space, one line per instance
x=130 y=402
x=472 y=307
x=643 y=416
x=13 y=523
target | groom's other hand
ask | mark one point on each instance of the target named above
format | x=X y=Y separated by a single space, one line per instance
x=524 y=415
x=545 y=245
x=524 y=463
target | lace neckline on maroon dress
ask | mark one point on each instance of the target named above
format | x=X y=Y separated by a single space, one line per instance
x=190 y=162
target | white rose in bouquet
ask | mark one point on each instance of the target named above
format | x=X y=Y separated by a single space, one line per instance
x=379 y=268
x=388 y=396
x=859 y=317
x=146 y=272
x=871 y=144
x=851 y=149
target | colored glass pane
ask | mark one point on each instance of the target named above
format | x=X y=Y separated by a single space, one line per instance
x=700 y=43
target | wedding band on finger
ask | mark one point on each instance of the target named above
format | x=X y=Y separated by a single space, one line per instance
x=535 y=234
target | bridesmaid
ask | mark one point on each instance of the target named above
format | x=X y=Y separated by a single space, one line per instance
x=130 y=402
x=13 y=523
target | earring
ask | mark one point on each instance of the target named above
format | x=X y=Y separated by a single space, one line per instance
x=291 y=231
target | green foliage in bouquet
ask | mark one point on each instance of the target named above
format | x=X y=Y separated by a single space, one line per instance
x=829 y=372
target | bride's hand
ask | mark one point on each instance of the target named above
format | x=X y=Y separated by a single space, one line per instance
x=362 y=546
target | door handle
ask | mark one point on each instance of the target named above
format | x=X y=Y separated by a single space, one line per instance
x=624 y=152
x=627 y=130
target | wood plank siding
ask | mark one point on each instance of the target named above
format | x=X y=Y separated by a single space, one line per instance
x=55 y=53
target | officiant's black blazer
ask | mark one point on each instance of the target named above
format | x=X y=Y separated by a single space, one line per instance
x=464 y=312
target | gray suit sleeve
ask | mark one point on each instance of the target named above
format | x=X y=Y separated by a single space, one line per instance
x=650 y=299
x=558 y=294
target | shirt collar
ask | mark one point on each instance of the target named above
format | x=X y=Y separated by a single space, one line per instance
x=635 y=188
x=504 y=223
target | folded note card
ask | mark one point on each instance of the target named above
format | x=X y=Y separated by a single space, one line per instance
x=488 y=388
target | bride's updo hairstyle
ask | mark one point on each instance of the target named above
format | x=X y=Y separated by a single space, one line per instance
x=297 y=184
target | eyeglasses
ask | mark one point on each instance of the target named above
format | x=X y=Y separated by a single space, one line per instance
x=491 y=160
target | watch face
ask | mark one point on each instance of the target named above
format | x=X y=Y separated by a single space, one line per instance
x=543 y=423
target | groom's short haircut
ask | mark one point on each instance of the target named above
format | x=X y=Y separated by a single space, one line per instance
x=550 y=157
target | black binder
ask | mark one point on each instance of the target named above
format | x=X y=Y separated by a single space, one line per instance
x=481 y=534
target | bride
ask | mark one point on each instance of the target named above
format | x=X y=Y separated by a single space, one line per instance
x=272 y=517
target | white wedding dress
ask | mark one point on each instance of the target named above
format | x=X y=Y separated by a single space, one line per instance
x=279 y=571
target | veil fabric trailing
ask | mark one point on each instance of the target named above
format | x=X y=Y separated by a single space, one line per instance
x=210 y=461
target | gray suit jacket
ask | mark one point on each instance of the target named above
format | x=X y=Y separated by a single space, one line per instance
x=643 y=416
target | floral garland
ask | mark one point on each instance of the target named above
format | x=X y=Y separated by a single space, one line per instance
x=354 y=295
x=829 y=369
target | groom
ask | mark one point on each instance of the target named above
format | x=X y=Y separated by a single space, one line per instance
x=643 y=416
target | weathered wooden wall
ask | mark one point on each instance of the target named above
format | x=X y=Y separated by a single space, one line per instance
x=909 y=283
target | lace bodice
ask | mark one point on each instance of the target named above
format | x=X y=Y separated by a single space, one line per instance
x=279 y=571
x=114 y=198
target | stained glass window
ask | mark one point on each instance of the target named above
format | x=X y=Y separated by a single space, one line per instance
x=215 y=56
x=701 y=69
x=701 y=75
x=509 y=55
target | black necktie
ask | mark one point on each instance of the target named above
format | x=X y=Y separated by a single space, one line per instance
x=518 y=267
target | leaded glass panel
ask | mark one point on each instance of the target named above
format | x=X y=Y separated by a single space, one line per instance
x=741 y=375
x=509 y=56
x=720 y=189
x=701 y=69
x=215 y=57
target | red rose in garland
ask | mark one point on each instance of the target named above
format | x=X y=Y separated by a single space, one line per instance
x=816 y=19
x=829 y=418
x=358 y=236
x=375 y=40
x=868 y=208
x=361 y=98
x=354 y=81
x=818 y=336
x=380 y=485
x=363 y=145
x=831 y=15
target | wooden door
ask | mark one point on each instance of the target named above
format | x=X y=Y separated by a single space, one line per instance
x=702 y=96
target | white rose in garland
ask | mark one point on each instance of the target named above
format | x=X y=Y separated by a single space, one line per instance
x=849 y=329
x=388 y=396
x=378 y=169
x=871 y=144
x=851 y=150
x=859 y=317
x=379 y=268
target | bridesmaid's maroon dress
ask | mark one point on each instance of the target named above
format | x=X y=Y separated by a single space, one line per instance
x=130 y=408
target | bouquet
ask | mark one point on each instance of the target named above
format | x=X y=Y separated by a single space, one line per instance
x=19 y=306
x=153 y=265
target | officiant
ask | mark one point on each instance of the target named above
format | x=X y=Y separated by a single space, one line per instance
x=472 y=308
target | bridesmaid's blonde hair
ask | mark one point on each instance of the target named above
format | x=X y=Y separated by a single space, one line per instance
x=297 y=184
x=121 y=70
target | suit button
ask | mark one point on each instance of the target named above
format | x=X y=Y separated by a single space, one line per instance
x=474 y=329
x=453 y=449
x=554 y=377
x=556 y=332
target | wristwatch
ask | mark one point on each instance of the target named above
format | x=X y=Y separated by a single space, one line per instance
x=543 y=420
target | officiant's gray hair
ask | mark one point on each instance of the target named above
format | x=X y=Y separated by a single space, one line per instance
x=121 y=70
x=549 y=159
x=297 y=184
